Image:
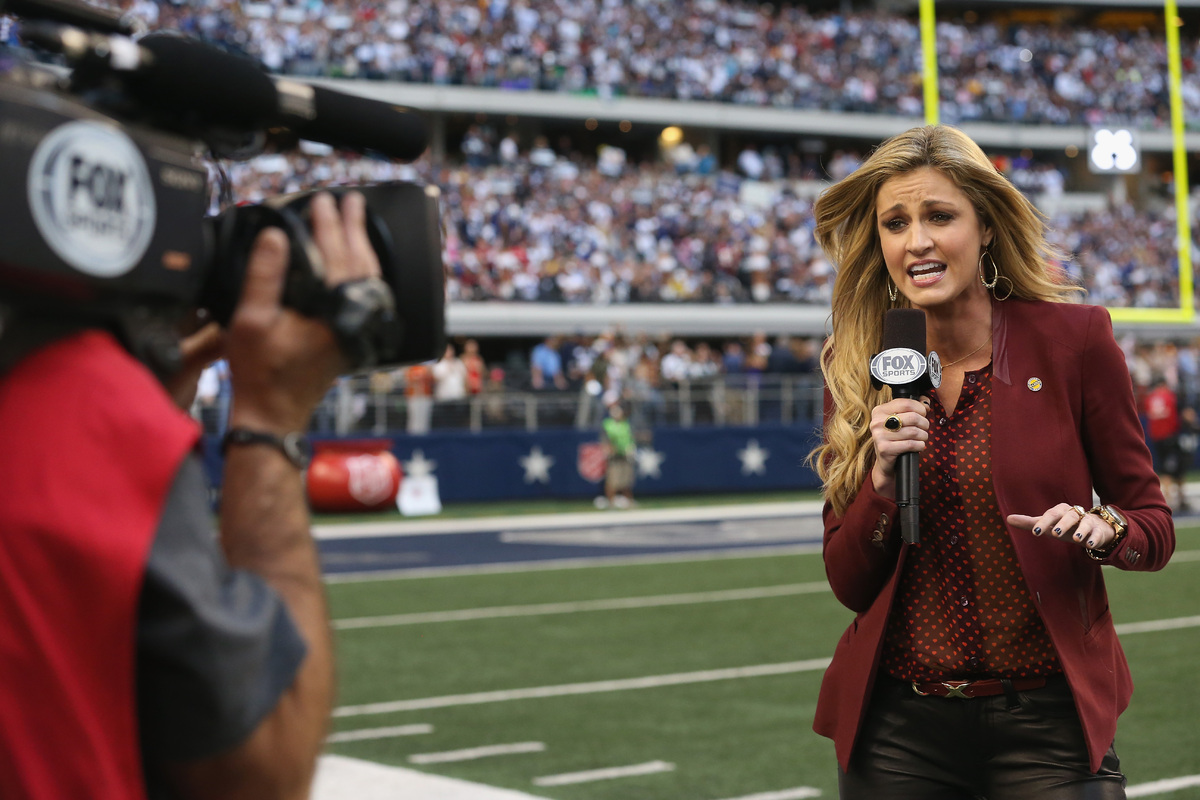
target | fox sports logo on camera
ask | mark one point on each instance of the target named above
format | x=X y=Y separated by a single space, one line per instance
x=92 y=198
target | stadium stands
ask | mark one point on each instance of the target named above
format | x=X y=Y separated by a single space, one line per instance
x=745 y=53
x=560 y=229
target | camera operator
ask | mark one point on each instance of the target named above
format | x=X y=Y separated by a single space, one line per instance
x=142 y=656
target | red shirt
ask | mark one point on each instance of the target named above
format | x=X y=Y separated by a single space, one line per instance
x=91 y=444
x=1162 y=412
x=963 y=609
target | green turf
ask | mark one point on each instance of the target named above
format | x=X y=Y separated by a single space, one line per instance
x=727 y=738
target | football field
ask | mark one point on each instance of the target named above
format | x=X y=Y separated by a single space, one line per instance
x=670 y=676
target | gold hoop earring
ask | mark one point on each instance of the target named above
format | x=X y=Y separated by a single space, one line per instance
x=1007 y=294
x=891 y=287
x=995 y=272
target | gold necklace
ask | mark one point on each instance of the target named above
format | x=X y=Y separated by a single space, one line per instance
x=968 y=355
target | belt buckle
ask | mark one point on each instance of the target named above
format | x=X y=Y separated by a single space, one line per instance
x=953 y=689
x=956 y=689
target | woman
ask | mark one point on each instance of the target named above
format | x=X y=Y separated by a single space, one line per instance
x=982 y=662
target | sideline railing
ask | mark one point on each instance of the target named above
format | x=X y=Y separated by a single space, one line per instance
x=354 y=407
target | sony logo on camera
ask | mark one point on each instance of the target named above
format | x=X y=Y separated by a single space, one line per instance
x=91 y=198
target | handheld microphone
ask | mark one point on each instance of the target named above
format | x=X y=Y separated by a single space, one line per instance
x=903 y=365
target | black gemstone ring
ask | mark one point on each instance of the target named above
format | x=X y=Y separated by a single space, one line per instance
x=893 y=423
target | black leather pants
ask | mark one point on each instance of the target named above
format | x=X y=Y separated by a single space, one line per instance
x=1028 y=746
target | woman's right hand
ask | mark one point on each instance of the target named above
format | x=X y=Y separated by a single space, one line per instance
x=910 y=437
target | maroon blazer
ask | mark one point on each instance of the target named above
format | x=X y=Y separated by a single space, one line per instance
x=1077 y=432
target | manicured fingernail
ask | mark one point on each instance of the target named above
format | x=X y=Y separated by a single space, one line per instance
x=1057 y=531
x=1078 y=536
x=1037 y=531
x=1091 y=543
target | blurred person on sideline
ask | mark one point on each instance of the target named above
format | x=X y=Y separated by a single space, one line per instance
x=418 y=398
x=1164 y=426
x=983 y=662
x=450 y=388
x=546 y=366
x=620 y=450
x=473 y=361
x=143 y=655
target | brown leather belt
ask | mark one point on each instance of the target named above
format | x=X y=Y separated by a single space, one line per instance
x=985 y=687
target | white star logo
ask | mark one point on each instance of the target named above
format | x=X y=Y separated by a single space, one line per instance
x=419 y=466
x=537 y=466
x=649 y=462
x=754 y=458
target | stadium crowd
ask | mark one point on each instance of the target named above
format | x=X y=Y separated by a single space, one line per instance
x=718 y=50
x=538 y=225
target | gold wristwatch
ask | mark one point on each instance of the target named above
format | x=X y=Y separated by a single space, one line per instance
x=1115 y=518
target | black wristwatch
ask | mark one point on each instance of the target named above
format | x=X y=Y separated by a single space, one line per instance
x=294 y=446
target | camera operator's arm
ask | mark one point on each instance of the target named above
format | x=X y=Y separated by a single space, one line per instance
x=282 y=364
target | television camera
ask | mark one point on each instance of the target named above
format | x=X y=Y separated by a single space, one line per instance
x=106 y=186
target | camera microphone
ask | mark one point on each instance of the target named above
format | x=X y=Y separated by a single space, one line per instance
x=903 y=365
x=359 y=123
x=190 y=76
x=184 y=80
x=73 y=12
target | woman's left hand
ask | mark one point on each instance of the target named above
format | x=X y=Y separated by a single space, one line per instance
x=1065 y=521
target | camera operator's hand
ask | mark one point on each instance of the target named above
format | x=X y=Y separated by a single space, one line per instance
x=197 y=350
x=282 y=362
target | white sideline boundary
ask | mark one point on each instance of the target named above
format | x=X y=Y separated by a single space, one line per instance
x=342 y=778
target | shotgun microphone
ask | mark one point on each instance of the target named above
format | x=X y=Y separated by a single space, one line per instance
x=903 y=365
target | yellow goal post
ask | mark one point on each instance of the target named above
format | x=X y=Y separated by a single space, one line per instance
x=1185 y=313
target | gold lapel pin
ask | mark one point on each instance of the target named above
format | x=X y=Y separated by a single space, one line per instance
x=1034 y=384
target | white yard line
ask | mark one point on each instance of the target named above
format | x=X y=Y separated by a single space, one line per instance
x=609 y=773
x=472 y=753
x=1163 y=787
x=542 y=565
x=799 y=793
x=1154 y=625
x=529 y=522
x=656 y=681
x=594 y=687
x=367 y=734
x=607 y=604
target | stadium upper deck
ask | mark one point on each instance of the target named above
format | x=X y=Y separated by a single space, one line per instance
x=1044 y=68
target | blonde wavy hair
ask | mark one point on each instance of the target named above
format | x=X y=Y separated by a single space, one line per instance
x=846 y=230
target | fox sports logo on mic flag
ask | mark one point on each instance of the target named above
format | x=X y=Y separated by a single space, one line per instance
x=898 y=366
